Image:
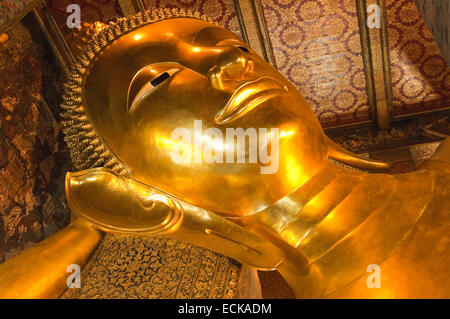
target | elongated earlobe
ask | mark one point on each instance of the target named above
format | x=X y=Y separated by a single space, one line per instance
x=340 y=154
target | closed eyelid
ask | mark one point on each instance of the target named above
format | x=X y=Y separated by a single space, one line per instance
x=148 y=79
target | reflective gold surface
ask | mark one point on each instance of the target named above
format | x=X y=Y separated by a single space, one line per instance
x=41 y=271
x=318 y=224
x=214 y=81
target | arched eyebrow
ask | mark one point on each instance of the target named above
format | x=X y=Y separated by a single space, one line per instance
x=230 y=42
x=211 y=36
x=238 y=44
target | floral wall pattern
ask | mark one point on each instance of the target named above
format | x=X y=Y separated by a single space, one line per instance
x=221 y=11
x=420 y=75
x=317 y=47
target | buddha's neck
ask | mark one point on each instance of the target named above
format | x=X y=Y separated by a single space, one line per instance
x=332 y=204
x=343 y=220
x=296 y=214
x=341 y=214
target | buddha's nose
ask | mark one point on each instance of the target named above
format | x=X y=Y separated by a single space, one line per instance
x=234 y=69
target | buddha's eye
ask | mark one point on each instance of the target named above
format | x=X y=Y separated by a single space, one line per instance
x=243 y=49
x=149 y=79
x=161 y=77
x=155 y=82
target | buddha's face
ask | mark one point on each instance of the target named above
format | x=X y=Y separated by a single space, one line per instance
x=157 y=81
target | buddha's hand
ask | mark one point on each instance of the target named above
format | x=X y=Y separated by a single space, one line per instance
x=117 y=204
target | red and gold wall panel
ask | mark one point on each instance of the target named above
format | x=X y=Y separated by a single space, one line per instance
x=317 y=47
x=222 y=11
x=91 y=11
x=420 y=75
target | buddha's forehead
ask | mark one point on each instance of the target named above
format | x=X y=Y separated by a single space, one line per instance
x=182 y=30
x=171 y=40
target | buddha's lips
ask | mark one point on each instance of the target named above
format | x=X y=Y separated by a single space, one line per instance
x=248 y=96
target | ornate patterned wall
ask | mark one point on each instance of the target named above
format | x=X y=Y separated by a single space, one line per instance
x=12 y=9
x=157 y=268
x=33 y=159
x=221 y=11
x=91 y=11
x=317 y=47
x=420 y=75
x=437 y=17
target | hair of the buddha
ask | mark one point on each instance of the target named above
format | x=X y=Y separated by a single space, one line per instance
x=87 y=149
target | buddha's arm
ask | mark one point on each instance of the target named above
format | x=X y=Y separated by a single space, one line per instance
x=121 y=205
x=41 y=271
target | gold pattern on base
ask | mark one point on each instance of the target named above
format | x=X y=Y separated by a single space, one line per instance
x=156 y=268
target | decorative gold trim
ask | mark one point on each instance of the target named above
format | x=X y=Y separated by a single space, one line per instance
x=366 y=55
x=54 y=37
x=348 y=125
x=386 y=62
x=127 y=7
x=374 y=43
x=264 y=32
x=420 y=113
x=139 y=5
x=254 y=28
x=241 y=21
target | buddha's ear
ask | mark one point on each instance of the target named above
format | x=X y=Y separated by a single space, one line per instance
x=340 y=154
x=117 y=204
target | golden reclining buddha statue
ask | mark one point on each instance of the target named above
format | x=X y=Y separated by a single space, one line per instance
x=153 y=113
